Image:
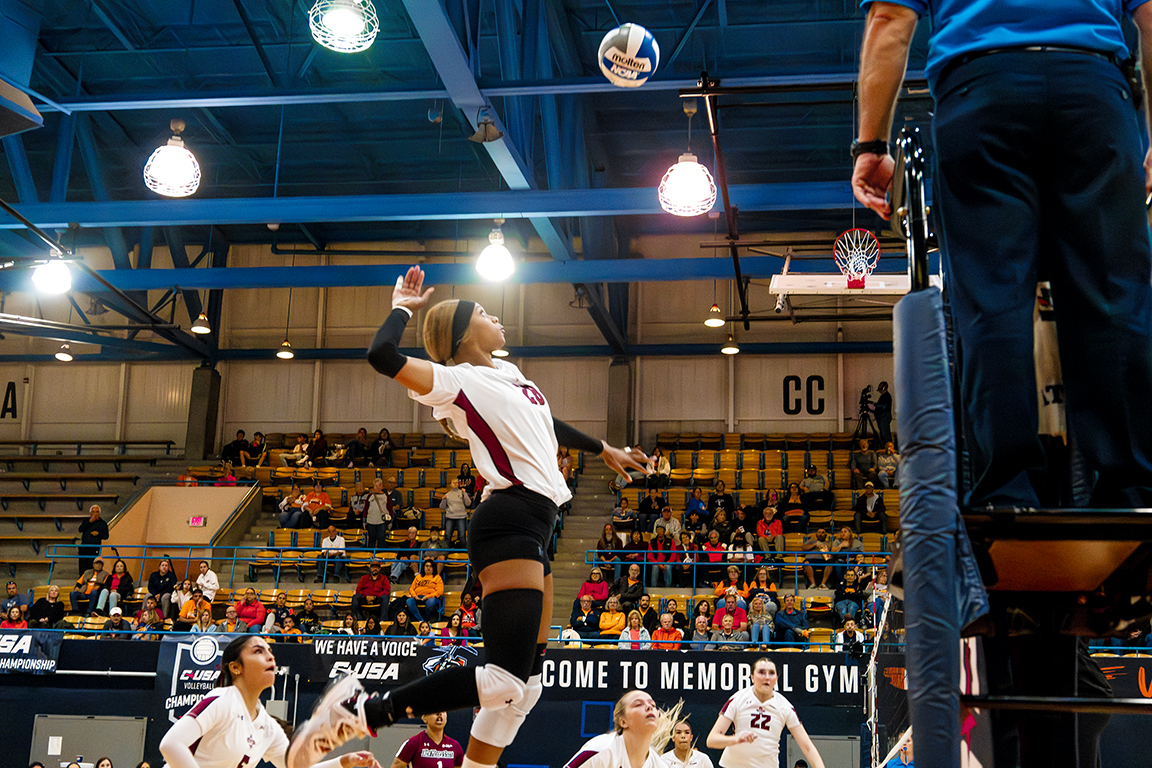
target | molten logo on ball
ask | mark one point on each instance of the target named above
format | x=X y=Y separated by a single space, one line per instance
x=629 y=55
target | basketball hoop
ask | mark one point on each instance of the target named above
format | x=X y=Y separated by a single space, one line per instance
x=857 y=252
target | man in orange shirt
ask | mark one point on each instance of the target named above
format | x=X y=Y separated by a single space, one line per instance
x=667 y=637
x=317 y=504
x=190 y=610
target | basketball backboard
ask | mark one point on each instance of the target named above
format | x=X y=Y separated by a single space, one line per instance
x=827 y=284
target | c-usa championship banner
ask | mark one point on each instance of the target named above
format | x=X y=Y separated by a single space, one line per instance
x=29 y=651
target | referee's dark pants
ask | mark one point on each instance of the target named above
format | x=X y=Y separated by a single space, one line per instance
x=1039 y=176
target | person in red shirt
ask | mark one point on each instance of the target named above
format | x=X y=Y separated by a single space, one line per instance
x=667 y=637
x=372 y=587
x=251 y=611
x=738 y=614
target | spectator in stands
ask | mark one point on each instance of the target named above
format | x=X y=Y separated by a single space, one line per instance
x=595 y=587
x=814 y=490
x=402 y=626
x=118 y=587
x=203 y=625
x=712 y=555
x=629 y=587
x=634 y=637
x=455 y=505
x=660 y=553
x=636 y=550
x=93 y=532
x=454 y=633
x=371 y=626
x=624 y=517
x=298 y=456
x=85 y=595
x=887 y=465
x=662 y=471
x=695 y=502
x=396 y=502
x=470 y=484
x=791 y=623
x=770 y=532
x=377 y=515
x=703 y=608
x=149 y=620
x=117 y=628
x=819 y=556
x=862 y=462
x=791 y=511
x=274 y=621
x=875 y=594
x=566 y=465
x=256 y=453
x=435 y=543
x=585 y=619
x=230 y=453
x=14 y=597
x=608 y=551
x=190 y=611
x=701 y=635
x=289 y=629
x=47 y=611
x=695 y=525
x=760 y=620
x=231 y=622
x=348 y=625
x=742 y=552
x=14 y=619
x=849 y=597
x=845 y=543
x=180 y=595
x=161 y=584
x=251 y=611
x=208 y=581
x=679 y=620
x=685 y=558
x=426 y=594
x=356 y=449
x=666 y=637
x=728 y=637
x=671 y=525
x=649 y=616
x=612 y=619
x=870 y=512
x=649 y=511
x=316 y=508
x=318 y=450
x=333 y=549
x=763 y=586
x=722 y=526
x=291 y=512
x=424 y=632
x=469 y=612
x=408 y=555
x=373 y=587
x=849 y=636
x=720 y=500
x=730 y=608
x=307 y=618
x=731 y=584
x=380 y=452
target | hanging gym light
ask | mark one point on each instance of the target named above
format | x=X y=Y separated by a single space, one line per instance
x=172 y=170
x=687 y=188
x=495 y=261
x=200 y=325
x=730 y=347
x=52 y=276
x=285 y=352
x=347 y=26
x=64 y=354
x=715 y=317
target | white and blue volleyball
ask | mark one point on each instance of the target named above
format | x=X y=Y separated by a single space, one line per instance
x=629 y=56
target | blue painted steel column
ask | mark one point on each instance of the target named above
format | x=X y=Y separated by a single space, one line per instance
x=62 y=165
x=21 y=171
x=515 y=107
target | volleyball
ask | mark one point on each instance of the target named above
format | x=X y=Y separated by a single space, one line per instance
x=629 y=56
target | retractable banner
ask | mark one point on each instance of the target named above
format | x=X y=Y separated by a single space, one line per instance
x=29 y=651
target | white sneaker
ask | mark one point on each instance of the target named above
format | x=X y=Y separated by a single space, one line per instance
x=337 y=718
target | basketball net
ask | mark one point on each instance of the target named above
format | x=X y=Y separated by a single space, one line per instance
x=857 y=252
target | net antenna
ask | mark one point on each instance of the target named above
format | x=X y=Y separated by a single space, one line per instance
x=857 y=252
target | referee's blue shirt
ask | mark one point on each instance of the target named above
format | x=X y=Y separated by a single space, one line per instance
x=966 y=26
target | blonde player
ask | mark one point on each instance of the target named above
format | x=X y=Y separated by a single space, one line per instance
x=230 y=727
x=759 y=715
x=683 y=753
x=640 y=731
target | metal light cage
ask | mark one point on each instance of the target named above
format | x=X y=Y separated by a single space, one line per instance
x=687 y=189
x=172 y=170
x=343 y=41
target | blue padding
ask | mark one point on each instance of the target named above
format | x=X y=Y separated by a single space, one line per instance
x=940 y=594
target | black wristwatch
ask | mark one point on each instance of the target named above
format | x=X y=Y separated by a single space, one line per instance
x=877 y=147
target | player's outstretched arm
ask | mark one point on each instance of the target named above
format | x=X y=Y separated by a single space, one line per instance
x=806 y=746
x=408 y=297
x=616 y=458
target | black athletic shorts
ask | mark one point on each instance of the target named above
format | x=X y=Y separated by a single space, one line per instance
x=513 y=524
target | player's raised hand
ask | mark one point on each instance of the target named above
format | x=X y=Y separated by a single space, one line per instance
x=407 y=292
x=358 y=760
x=623 y=459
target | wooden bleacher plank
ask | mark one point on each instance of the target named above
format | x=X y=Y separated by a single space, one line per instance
x=43 y=498
x=80 y=461
x=63 y=478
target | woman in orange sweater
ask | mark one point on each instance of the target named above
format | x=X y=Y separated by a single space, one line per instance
x=612 y=619
x=731 y=586
x=426 y=593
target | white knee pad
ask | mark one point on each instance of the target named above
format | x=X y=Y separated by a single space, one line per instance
x=498 y=688
x=498 y=727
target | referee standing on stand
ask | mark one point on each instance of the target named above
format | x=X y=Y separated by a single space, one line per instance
x=1037 y=176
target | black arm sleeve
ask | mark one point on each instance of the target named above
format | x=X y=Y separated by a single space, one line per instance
x=570 y=437
x=384 y=354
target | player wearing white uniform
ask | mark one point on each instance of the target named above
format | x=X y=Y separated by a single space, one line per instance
x=635 y=741
x=229 y=727
x=760 y=715
x=513 y=438
x=684 y=754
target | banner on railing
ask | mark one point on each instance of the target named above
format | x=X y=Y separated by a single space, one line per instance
x=29 y=651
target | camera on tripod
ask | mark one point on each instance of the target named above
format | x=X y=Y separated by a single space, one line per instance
x=866 y=399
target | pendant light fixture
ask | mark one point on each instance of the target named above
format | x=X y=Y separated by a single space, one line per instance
x=495 y=262
x=52 y=276
x=715 y=318
x=200 y=325
x=345 y=26
x=64 y=354
x=285 y=352
x=687 y=189
x=730 y=347
x=172 y=170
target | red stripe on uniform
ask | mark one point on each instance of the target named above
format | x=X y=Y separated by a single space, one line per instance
x=491 y=443
x=581 y=758
x=201 y=705
x=725 y=706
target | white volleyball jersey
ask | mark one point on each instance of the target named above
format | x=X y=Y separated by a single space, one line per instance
x=229 y=737
x=767 y=718
x=696 y=759
x=608 y=751
x=506 y=421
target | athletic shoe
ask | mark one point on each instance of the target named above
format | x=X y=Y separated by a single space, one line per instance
x=337 y=718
